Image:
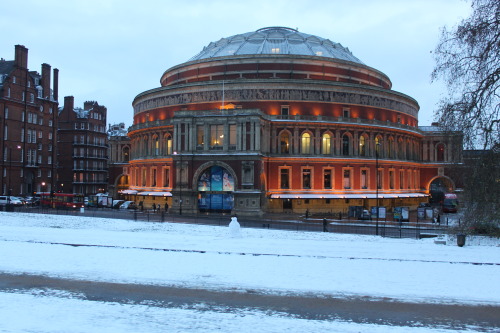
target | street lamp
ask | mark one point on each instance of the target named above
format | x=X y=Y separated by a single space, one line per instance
x=377 y=145
x=180 y=182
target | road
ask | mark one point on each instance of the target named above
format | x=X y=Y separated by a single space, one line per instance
x=316 y=307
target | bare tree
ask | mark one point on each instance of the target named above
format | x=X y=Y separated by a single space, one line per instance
x=468 y=60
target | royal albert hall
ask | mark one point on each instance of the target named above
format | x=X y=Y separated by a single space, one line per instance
x=277 y=120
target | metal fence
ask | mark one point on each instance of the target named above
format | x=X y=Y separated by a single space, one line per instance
x=416 y=229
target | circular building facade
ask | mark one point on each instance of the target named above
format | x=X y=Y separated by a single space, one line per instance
x=277 y=120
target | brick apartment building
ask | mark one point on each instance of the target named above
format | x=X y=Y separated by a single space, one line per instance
x=28 y=125
x=83 y=148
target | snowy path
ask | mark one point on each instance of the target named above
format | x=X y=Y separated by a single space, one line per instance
x=310 y=307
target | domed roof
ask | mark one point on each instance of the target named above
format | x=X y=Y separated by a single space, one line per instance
x=276 y=40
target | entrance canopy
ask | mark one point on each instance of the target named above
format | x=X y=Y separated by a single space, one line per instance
x=348 y=196
x=156 y=194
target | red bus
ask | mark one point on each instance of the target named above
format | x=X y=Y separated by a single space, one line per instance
x=450 y=203
x=61 y=200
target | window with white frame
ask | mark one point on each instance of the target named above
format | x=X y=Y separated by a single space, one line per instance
x=347 y=178
x=306 y=178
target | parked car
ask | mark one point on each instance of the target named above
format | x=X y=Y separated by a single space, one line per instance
x=4 y=200
x=23 y=200
x=365 y=215
x=128 y=205
x=117 y=203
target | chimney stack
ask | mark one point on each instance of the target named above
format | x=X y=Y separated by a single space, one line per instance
x=46 y=80
x=69 y=104
x=21 y=57
x=56 y=84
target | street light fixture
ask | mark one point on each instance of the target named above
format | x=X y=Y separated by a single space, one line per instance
x=377 y=145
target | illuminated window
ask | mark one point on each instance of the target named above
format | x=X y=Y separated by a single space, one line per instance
x=169 y=145
x=157 y=147
x=326 y=142
x=275 y=50
x=377 y=146
x=362 y=146
x=126 y=154
x=284 y=143
x=306 y=143
x=216 y=135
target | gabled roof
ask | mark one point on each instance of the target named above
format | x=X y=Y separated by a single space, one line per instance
x=6 y=66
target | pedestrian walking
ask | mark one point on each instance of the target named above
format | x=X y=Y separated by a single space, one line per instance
x=325 y=229
x=154 y=208
x=166 y=207
x=307 y=214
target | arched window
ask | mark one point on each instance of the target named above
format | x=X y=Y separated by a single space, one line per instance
x=126 y=154
x=145 y=149
x=285 y=143
x=305 y=143
x=326 y=144
x=440 y=152
x=167 y=145
x=408 y=150
x=391 y=148
x=346 y=145
x=157 y=146
x=377 y=146
x=400 y=149
x=362 y=145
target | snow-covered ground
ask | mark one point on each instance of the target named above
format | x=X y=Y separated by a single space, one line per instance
x=208 y=257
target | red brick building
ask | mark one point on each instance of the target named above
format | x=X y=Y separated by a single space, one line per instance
x=28 y=129
x=83 y=148
x=278 y=120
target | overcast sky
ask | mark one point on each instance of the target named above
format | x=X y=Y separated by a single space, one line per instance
x=112 y=50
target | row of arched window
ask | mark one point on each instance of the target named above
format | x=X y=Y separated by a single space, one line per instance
x=349 y=145
x=152 y=145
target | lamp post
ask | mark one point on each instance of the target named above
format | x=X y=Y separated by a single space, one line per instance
x=180 y=183
x=377 y=145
